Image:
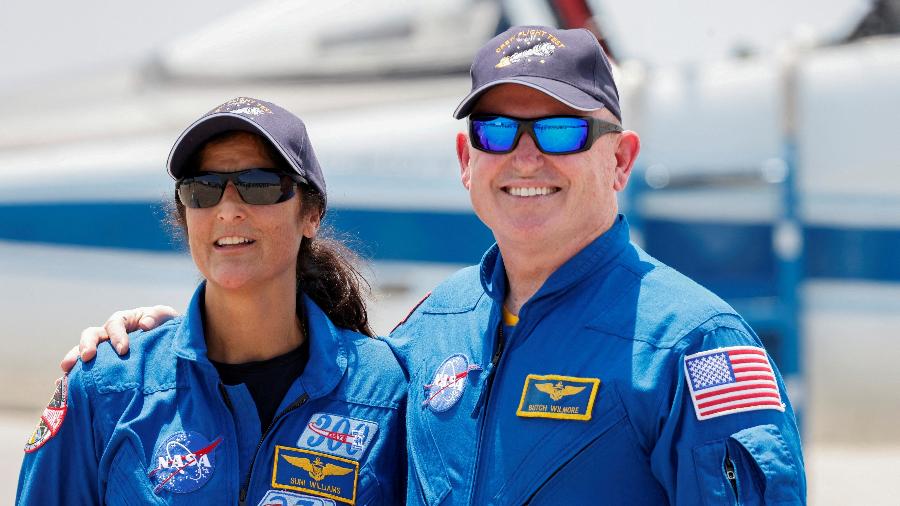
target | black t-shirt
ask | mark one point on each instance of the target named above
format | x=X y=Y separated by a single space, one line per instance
x=267 y=380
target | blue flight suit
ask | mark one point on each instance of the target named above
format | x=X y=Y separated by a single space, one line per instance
x=158 y=427
x=588 y=399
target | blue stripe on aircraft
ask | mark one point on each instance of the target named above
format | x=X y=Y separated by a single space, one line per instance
x=426 y=236
x=734 y=260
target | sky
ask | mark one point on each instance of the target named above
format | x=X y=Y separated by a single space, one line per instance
x=46 y=40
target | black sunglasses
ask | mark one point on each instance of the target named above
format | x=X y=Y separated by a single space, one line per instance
x=258 y=187
x=553 y=135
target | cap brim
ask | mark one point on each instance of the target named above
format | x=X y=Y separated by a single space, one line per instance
x=565 y=93
x=208 y=127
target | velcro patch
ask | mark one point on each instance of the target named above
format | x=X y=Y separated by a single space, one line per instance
x=184 y=462
x=731 y=380
x=338 y=435
x=315 y=473
x=285 y=498
x=52 y=418
x=558 y=397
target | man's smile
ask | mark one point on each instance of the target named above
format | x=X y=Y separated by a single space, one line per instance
x=530 y=191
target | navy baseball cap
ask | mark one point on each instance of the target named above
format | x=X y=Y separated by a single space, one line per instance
x=568 y=65
x=283 y=129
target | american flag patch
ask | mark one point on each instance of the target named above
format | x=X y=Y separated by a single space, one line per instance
x=731 y=380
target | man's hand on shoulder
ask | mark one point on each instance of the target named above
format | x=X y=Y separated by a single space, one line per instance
x=116 y=330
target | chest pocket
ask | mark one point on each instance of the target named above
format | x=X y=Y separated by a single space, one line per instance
x=429 y=483
x=577 y=461
x=369 y=489
x=127 y=482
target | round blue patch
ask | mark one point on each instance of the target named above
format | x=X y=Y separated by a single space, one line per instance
x=183 y=462
x=448 y=383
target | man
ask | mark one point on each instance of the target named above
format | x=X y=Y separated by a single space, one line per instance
x=570 y=366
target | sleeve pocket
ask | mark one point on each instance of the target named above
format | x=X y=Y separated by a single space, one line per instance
x=767 y=463
x=753 y=465
x=712 y=482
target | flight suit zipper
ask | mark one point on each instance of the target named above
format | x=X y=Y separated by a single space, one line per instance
x=483 y=402
x=489 y=379
x=230 y=418
x=730 y=474
x=244 y=489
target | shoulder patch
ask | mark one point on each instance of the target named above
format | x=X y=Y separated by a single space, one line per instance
x=52 y=418
x=731 y=380
x=411 y=311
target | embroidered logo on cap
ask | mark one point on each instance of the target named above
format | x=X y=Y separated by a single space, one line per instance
x=559 y=397
x=316 y=473
x=731 y=380
x=52 y=417
x=185 y=461
x=338 y=435
x=527 y=45
x=285 y=498
x=243 y=105
x=448 y=383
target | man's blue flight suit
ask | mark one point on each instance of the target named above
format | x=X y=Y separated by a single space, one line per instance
x=622 y=383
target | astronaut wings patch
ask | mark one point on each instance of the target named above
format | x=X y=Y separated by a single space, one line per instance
x=731 y=380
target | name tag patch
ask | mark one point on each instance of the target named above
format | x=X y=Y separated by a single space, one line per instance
x=316 y=473
x=558 y=397
x=338 y=435
x=285 y=498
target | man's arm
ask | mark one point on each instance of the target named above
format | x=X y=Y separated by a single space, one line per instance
x=116 y=330
x=729 y=436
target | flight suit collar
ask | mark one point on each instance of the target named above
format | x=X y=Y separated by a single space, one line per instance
x=591 y=258
x=327 y=353
x=327 y=350
x=190 y=341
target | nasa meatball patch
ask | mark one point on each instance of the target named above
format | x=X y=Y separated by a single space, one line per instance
x=52 y=417
x=448 y=383
x=185 y=461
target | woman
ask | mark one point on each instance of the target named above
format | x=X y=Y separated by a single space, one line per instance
x=269 y=389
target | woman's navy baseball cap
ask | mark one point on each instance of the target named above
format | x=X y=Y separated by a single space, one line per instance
x=283 y=129
x=568 y=65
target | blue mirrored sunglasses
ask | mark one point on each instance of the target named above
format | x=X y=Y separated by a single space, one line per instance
x=553 y=135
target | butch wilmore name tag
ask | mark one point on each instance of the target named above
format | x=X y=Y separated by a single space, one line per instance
x=559 y=397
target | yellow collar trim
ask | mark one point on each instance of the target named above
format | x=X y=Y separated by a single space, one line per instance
x=509 y=319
